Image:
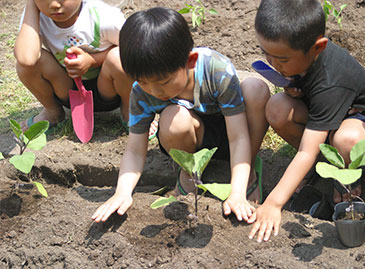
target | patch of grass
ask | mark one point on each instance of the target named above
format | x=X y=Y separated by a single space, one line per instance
x=15 y=99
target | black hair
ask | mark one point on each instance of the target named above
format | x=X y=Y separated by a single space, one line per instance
x=155 y=41
x=297 y=22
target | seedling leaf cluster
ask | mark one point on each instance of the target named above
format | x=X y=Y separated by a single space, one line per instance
x=33 y=138
x=194 y=164
x=337 y=169
x=329 y=9
x=197 y=12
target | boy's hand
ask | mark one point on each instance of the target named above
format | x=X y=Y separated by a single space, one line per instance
x=267 y=218
x=293 y=92
x=79 y=66
x=238 y=204
x=119 y=203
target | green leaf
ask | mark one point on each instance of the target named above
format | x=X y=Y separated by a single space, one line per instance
x=15 y=127
x=342 y=7
x=184 y=10
x=345 y=176
x=184 y=159
x=201 y=159
x=1 y=156
x=332 y=155
x=159 y=191
x=38 y=143
x=162 y=201
x=40 y=188
x=198 y=21
x=24 y=162
x=221 y=191
x=192 y=163
x=36 y=130
x=213 y=11
x=357 y=150
x=360 y=161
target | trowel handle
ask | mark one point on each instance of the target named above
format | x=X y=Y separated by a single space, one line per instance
x=78 y=81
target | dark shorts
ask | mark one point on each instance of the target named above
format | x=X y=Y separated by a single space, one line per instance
x=99 y=104
x=215 y=135
x=358 y=116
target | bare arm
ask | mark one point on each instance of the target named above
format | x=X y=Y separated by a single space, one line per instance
x=131 y=167
x=268 y=216
x=28 y=42
x=240 y=155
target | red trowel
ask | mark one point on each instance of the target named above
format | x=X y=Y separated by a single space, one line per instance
x=82 y=109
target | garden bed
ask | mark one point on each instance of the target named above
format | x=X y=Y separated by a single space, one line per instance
x=57 y=232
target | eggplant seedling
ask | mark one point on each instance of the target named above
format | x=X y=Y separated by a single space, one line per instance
x=194 y=164
x=197 y=12
x=337 y=171
x=34 y=138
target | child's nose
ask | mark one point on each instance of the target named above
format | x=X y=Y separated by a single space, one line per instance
x=54 y=4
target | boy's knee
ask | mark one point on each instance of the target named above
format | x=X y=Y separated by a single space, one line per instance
x=175 y=120
x=276 y=111
x=344 y=140
x=255 y=90
x=112 y=60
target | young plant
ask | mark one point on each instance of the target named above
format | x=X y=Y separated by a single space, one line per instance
x=197 y=12
x=34 y=138
x=336 y=170
x=194 y=165
x=329 y=9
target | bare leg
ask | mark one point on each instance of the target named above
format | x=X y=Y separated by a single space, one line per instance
x=181 y=129
x=287 y=116
x=43 y=80
x=113 y=80
x=256 y=94
x=350 y=132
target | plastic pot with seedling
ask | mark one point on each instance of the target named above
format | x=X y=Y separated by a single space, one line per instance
x=349 y=217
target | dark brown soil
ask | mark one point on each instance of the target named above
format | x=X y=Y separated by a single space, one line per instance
x=57 y=232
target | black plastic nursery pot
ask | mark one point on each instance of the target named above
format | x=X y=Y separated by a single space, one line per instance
x=350 y=232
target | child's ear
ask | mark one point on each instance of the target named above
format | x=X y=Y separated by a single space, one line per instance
x=320 y=45
x=193 y=58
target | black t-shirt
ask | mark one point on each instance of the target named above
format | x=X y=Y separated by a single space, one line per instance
x=332 y=85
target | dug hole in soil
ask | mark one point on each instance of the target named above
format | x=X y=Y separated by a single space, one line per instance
x=57 y=232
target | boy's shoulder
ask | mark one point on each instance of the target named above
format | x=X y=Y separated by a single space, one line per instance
x=213 y=62
x=335 y=66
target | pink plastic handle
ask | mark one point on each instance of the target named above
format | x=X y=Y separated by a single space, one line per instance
x=78 y=81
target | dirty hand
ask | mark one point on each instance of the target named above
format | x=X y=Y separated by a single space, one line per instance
x=293 y=92
x=78 y=66
x=119 y=203
x=238 y=204
x=267 y=218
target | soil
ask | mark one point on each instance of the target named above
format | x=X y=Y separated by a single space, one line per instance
x=57 y=232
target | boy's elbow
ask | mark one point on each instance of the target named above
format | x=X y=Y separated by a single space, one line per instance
x=25 y=60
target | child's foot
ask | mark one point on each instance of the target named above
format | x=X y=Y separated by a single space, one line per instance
x=338 y=197
x=184 y=183
x=52 y=116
